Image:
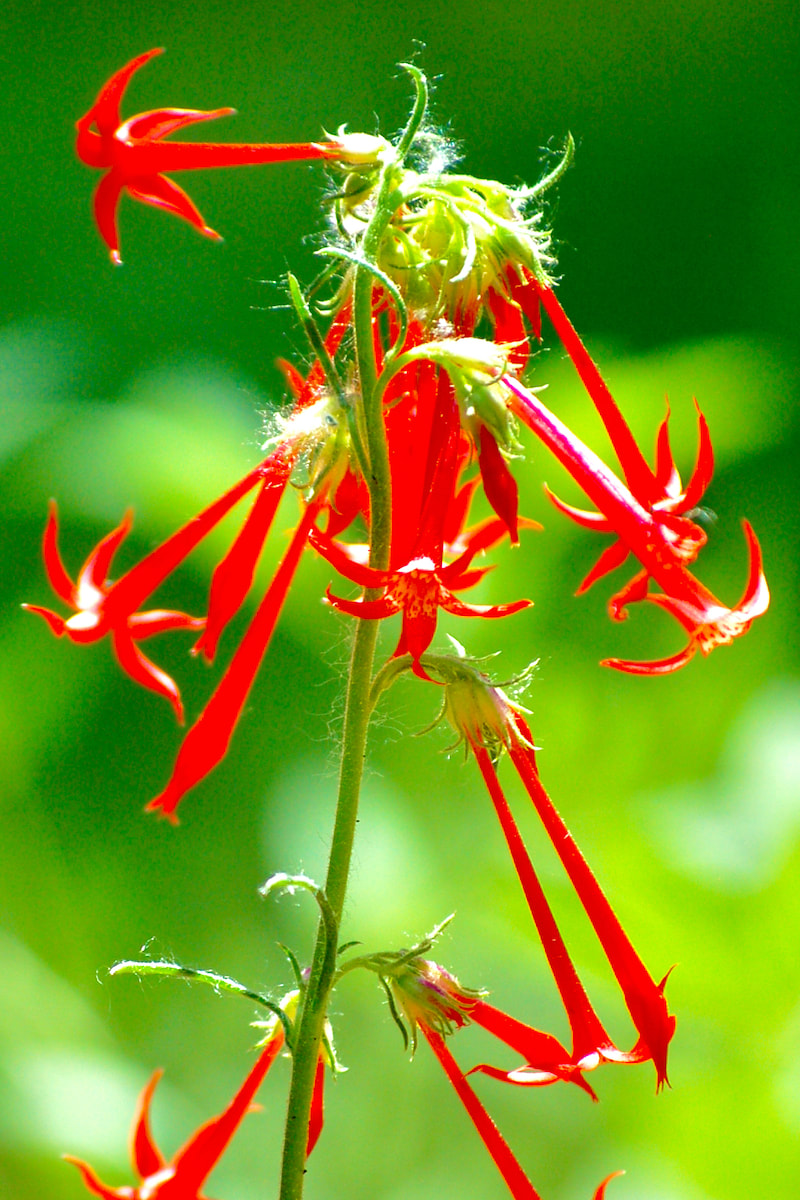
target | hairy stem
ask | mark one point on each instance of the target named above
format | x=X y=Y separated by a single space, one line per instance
x=359 y=703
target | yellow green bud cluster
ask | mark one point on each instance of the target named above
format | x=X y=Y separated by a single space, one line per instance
x=453 y=239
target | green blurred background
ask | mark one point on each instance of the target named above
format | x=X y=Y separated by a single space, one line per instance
x=677 y=231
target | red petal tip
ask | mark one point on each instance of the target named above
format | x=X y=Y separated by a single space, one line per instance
x=662 y=666
x=601 y=1191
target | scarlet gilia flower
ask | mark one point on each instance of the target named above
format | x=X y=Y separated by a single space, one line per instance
x=654 y=536
x=428 y=511
x=184 y=1177
x=135 y=156
x=105 y=608
x=489 y=724
x=435 y=1002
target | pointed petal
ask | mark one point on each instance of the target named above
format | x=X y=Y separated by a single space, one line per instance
x=369 y=610
x=145 y=1154
x=477 y=540
x=105 y=110
x=463 y=580
x=588 y=520
x=163 y=121
x=57 y=624
x=95 y=1186
x=57 y=575
x=93 y=575
x=499 y=484
x=755 y=599
x=160 y=191
x=336 y=554
x=161 y=620
x=601 y=1191
x=459 y=609
x=612 y=557
x=105 y=203
x=662 y=666
x=667 y=475
x=206 y=743
x=703 y=468
x=198 y=1157
x=145 y=672
x=419 y=629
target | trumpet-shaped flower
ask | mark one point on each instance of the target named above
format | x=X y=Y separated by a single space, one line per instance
x=418 y=590
x=105 y=608
x=650 y=538
x=135 y=156
x=435 y=1002
x=489 y=723
x=183 y=1177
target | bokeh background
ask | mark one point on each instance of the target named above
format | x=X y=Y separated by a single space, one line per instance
x=145 y=386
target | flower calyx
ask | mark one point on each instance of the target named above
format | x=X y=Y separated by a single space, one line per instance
x=428 y=995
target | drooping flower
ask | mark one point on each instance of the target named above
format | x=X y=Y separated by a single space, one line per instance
x=652 y=538
x=490 y=724
x=433 y=1001
x=184 y=1176
x=135 y=156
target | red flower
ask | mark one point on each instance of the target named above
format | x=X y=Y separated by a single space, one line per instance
x=184 y=1176
x=206 y=743
x=135 y=156
x=654 y=537
x=102 y=607
x=644 y=998
x=418 y=590
x=515 y=1178
x=428 y=512
x=484 y=717
x=434 y=1001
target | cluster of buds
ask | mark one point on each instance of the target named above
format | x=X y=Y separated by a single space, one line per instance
x=405 y=412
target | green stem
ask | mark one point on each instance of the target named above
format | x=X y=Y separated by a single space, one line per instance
x=359 y=703
x=315 y=1001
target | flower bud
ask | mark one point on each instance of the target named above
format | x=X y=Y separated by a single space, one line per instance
x=430 y=996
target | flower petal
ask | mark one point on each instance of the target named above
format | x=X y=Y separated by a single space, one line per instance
x=145 y=1154
x=95 y=1186
x=57 y=575
x=145 y=672
x=160 y=191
